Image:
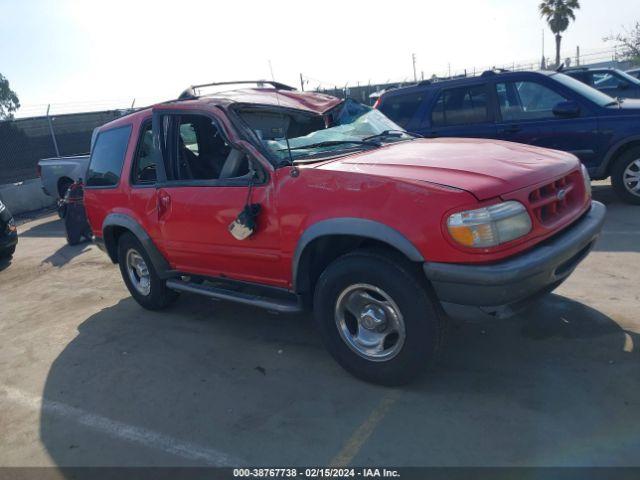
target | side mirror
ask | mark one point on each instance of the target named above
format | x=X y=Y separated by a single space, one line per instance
x=566 y=109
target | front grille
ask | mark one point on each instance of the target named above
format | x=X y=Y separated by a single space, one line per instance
x=553 y=202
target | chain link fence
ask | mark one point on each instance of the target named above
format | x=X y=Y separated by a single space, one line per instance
x=24 y=141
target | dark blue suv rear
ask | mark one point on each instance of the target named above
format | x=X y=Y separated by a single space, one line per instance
x=546 y=109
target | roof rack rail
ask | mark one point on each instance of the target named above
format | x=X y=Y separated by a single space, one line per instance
x=190 y=93
x=493 y=71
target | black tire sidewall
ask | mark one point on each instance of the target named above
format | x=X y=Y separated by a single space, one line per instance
x=8 y=252
x=420 y=316
x=617 y=173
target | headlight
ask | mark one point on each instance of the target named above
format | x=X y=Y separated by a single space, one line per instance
x=490 y=226
x=2 y=207
x=587 y=182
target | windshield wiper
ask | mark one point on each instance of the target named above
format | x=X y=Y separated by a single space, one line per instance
x=331 y=143
x=392 y=133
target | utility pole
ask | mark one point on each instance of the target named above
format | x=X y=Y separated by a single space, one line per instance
x=413 y=59
x=543 y=64
x=578 y=55
x=301 y=83
x=53 y=135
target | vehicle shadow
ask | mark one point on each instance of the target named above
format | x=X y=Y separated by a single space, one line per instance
x=66 y=253
x=52 y=228
x=262 y=388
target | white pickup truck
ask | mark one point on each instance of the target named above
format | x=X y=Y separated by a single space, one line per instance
x=58 y=173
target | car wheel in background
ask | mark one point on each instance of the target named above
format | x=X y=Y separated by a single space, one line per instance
x=625 y=176
x=149 y=290
x=8 y=253
x=378 y=318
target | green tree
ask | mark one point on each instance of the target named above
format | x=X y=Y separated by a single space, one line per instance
x=629 y=41
x=558 y=14
x=9 y=102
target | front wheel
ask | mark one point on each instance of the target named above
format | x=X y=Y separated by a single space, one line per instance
x=625 y=176
x=378 y=318
x=138 y=273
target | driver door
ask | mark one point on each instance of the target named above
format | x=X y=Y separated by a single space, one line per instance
x=525 y=115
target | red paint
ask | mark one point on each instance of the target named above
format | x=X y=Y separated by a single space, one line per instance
x=411 y=186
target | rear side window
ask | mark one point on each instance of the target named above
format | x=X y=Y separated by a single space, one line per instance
x=107 y=157
x=144 y=164
x=460 y=106
x=401 y=108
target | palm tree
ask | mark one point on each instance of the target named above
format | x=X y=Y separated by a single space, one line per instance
x=558 y=14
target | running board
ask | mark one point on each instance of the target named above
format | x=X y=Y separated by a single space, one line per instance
x=292 y=305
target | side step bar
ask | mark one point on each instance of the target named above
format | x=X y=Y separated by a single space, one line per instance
x=292 y=305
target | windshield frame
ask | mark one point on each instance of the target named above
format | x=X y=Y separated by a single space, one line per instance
x=323 y=155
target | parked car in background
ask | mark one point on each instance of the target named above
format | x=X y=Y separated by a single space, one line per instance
x=634 y=72
x=545 y=109
x=8 y=232
x=58 y=173
x=613 y=82
x=288 y=200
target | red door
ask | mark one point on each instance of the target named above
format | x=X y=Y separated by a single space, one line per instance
x=208 y=184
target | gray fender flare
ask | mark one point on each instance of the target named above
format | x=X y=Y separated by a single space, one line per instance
x=160 y=263
x=601 y=172
x=352 y=226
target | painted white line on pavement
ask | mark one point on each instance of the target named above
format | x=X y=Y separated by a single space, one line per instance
x=120 y=430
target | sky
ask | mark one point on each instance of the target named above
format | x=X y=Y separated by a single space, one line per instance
x=85 y=52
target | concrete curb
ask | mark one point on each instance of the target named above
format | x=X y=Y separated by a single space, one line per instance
x=25 y=196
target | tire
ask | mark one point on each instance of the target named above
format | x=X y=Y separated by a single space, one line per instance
x=627 y=164
x=348 y=280
x=63 y=188
x=158 y=295
x=8 y=253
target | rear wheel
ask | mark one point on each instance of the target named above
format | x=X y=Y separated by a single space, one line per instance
x=625 y=176
x=378 y=318
x=138 y=273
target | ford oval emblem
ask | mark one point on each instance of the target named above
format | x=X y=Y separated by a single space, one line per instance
x=561 y=194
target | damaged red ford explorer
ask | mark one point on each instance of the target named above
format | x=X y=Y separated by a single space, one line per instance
x=289 y=200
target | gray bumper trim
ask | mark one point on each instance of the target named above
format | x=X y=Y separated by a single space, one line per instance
x=517 y=279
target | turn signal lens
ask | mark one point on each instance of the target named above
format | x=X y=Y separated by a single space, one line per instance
x=490 y=226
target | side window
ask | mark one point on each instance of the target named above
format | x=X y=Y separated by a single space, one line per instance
x=460 y=106
x=401 y=108
x=202 y=153
x=144 y=163
x=526 y=101
x=107 y=157
x=607 y=80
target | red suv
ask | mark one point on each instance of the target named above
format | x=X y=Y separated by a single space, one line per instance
x=289 y=200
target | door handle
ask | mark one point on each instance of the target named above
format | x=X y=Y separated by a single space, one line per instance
x=164 y=203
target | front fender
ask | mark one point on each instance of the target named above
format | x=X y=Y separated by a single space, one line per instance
x=352 y=226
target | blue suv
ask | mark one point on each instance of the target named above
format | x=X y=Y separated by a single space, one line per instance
x=546 y=109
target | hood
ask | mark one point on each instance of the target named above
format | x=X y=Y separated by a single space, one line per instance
x=485 y=168
x=630 y=104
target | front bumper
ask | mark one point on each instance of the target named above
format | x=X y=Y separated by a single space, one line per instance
x=517 y=279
